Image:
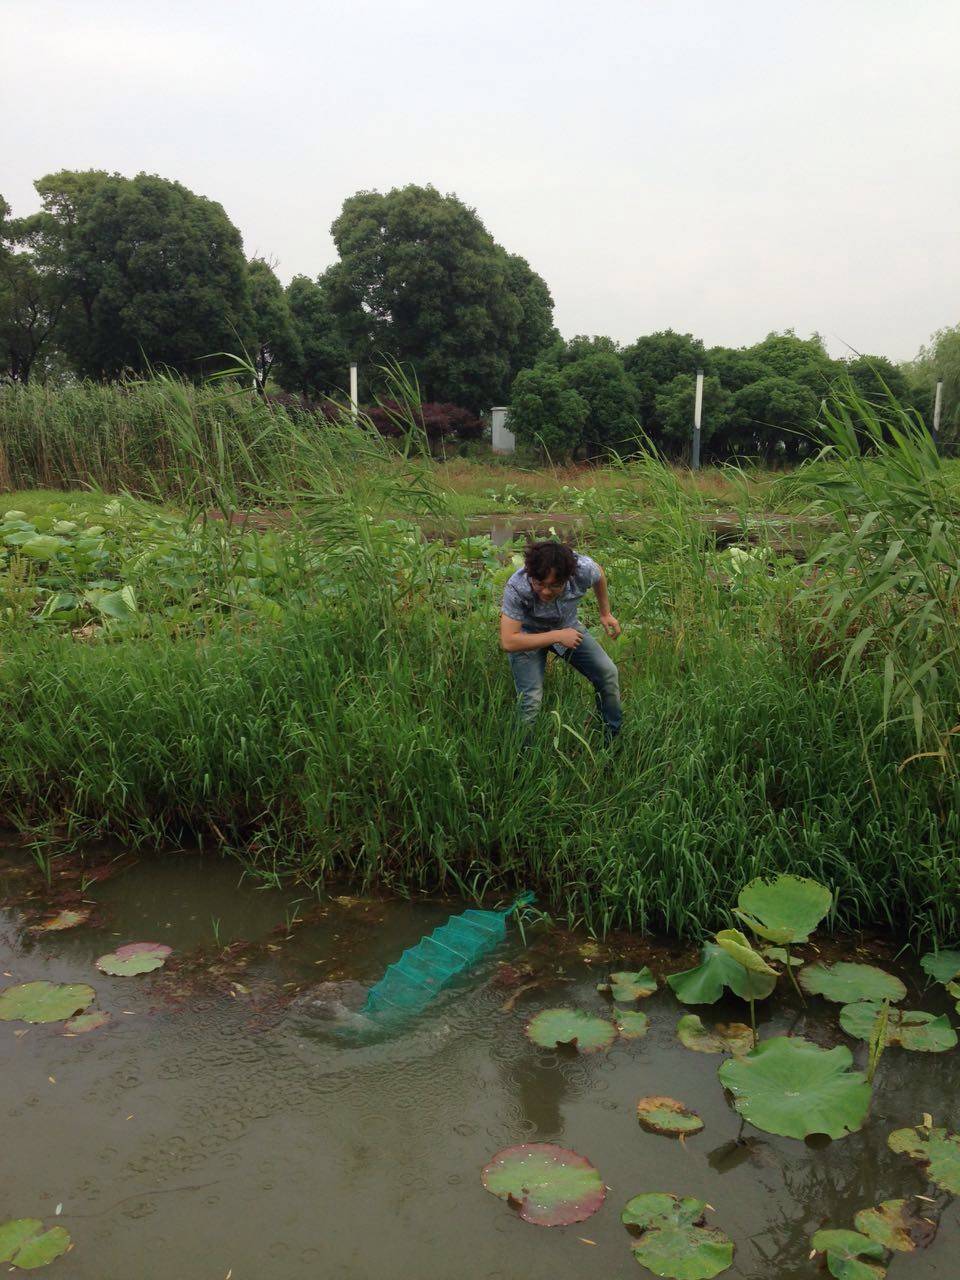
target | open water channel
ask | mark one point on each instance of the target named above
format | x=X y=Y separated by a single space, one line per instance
x=216 y=1127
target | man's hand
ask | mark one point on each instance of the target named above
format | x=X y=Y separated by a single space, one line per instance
x=610 y=625
x=570 y=637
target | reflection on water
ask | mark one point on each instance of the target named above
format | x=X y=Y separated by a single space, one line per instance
x=211 y=1129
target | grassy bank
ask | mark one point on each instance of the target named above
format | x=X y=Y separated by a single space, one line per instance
x=326 y=696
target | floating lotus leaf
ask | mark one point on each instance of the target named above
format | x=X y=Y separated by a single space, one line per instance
x=85 y=1022
x=936 y=1148
x=784 y=909
x=44 y=1001
x=909 y=1028
x=135 y=957
x=942 y=966
x=792 y=1087
x=67 y=919
x=627 y=987
x=846 y=982
x=673 y=1240
x=632 y=1024
x=550 y=1185
x=24 y=1242
x=716 y=970
x=667 y=1116
x=850 y=1256
x=725 y=1037
x=735 y=944
x=897 y=1225
x=561 y=1027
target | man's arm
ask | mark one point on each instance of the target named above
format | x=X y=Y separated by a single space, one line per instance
x=610 y=625
x=513 y=639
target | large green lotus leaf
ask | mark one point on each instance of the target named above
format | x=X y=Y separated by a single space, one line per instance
x=44 y=1001
x=716 y=970
x=673 y=1240
x=24 y=1242
x=909 y=1028
x=735 y=944
x=627 y=987
x=942 y=966
x=792 y=1087
x=554 y=1028
x=550 y=1185
x=632 y=1024
x=850 y=1256
x=784 y=909
x=667 y=1116
x=936 y=1148
x=897 y=1225
x=846 y=982
x=135 y=957
x=725 y=1037
x=42 y=546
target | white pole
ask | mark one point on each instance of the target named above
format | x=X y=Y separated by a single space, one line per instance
x=354 y=400
x=937 y=406
x=697 y=417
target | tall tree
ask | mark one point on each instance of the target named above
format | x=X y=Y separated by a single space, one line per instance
x=322 y=357
x=274 y=335
x=938 y=361
x=804 y=360
x=601 y=381
x=154 y=273
x=674 y=413
x=31 y=302
x=655 y=360
x=546 y=413
x=772 y=416
x=421 y=279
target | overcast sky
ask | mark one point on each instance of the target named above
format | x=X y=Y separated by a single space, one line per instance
x=725 y=167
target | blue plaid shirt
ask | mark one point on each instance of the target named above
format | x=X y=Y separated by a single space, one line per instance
x=523 y=606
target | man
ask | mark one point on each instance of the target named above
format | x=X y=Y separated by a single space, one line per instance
x=539 y=613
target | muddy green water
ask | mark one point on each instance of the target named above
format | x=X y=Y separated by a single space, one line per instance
x=210 y=1129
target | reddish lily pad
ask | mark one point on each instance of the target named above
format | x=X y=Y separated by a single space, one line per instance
x=935 y=1148
x=725 y=1037
x=133 y=958
x=897 y=1225
x=24 y=1242
x=572 y=1028
x=673 y=1240
x=85 y=1022
x=627 y=987
x=550 y=1186
x=44 y=1001
x=667 y=1116
x=66 y=919
x=632 y=1024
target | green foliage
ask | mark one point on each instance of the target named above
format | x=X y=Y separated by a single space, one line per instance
x=546 y=413
x=674 y=408
x=898 y=1225
x=725 y=1037
x=783 y=909
x=318 y=364
x=938 y=360
x=850 y=1255
x=25 y=1243
x=44 y=1001
x=657 y=359
x=846 y=982
x=573 y=1028
x=911 y=1029
x=134 y=958
x=935 y=1149
x=549 y=1185
x=626 y=987
x=673 y=1240
x=770 y=415
x=718 y=970
x=612 y=403
x=942 y=966
x=273 y=333
x=667 y=1116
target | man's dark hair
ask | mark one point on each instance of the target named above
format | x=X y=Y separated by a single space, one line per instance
x=543 y=558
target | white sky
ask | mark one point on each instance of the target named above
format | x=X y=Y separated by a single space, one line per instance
x=725 y=167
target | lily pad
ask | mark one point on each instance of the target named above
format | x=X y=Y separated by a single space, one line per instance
x=44 y=1001
x=783 y=909
x=24 y=1242
x=735 y=944
x=942 y=966
x=909 y=1028
x=549 y=1185
x=85 y=1022
x=846 y=982
x=556 y=1028
x=134 y=957
x=67 y=919
x=668 y=1117
x=673 y=1240
x=781 y=956
x=632 y=1024
x=850 y=1256
x=716 y=970
x=792 y=1087
x=724 y=1037
x=936 y=1148
x=627 y=987
x=897 y=1225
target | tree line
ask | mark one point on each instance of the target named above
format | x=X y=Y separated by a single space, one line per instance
x=115 y=275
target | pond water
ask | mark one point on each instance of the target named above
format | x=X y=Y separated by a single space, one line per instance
x=213 y=1128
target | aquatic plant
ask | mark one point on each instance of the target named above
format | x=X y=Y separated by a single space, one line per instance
x=667 y=1116
x=733 y=942
x=548 y=1185
x=784 y=910
x=134 y=958
x=571 y=1028
x=626 y=987
x=899 y=1225
x=850 y=1255
x=673 y=1240
x=910 y=1029
x=716 y=971
x=936 y=1150
x=724 y=1037
x=847 y=981
x=25 y=1243
x=44 y=1001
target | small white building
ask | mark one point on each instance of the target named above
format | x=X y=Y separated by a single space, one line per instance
x=501 y=440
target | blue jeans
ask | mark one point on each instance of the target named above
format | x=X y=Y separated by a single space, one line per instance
x=530 y=665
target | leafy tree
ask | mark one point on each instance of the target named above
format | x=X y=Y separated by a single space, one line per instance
x=536 y=331
x=773 y=415
x=654 y=361
x=735 y=367
x=153 y=274
x=611 y=398
x=30 y=303
x=674 y=412
x=581 y=345
x=804 y=360
x=939 y=359
x=421 y=279
x=274 y=335
x=876 y=378
x=320 y=363
x=545 y=412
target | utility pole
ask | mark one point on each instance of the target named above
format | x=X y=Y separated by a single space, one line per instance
x=937 y=407
x=354 y=401
x=697 y=415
